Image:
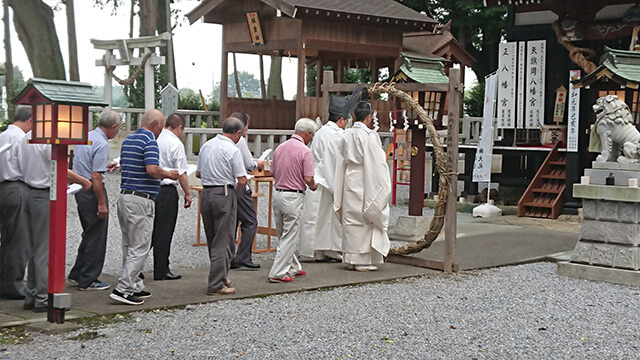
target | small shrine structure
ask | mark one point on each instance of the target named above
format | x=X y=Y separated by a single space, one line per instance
x=330 y=33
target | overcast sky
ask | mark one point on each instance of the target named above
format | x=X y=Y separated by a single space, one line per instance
x=197 y=47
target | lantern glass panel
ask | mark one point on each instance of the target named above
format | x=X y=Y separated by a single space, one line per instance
x=63 y=129
x=47 y=112
x=76 y=114
x=77 y=131
x=39 y=112
x=39 y=130
x=63 y=113
x=47 y=129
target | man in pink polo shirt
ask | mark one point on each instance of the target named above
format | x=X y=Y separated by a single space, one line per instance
x=292 y=169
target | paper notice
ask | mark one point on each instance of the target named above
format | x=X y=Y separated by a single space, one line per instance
x=73 y=188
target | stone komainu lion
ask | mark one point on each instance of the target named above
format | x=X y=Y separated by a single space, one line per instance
x=614 y=125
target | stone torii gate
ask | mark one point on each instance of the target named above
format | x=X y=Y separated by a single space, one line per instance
x=146 y=59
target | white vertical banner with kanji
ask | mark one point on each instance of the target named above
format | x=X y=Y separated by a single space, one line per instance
x=536 y=61
x=507 y=84
x=482 y=163
x=522 y=66
x=573 y=119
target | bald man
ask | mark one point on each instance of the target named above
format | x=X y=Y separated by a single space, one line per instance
x=139 y=186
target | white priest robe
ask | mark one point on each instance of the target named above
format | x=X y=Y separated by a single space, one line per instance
x=321 y=228
x=362 y=193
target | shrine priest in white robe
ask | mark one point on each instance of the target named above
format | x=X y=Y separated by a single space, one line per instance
x=321 y=232
x=362 y=192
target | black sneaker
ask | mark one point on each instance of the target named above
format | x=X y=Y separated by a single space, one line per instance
x=142 y=294
x=124 y=298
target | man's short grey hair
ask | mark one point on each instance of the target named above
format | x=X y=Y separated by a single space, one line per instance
x=232 y=125
x=23 y=113
x=305 y=124
x=108 y=118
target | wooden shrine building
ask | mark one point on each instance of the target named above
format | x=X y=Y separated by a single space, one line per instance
x=574 y=35
x=323 y=33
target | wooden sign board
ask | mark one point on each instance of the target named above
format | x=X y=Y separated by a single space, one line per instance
x=561 y=101
x=170 y=97
x=253 y=20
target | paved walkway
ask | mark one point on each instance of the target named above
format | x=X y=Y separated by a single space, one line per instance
x=481 y=243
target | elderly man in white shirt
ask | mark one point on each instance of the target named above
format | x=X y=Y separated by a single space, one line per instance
x=173 y=157
x=220 y=168
x=34 y=161
x=14 y=239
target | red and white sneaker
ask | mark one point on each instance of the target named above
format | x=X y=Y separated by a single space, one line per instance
x=301 y=273
x=283 y=280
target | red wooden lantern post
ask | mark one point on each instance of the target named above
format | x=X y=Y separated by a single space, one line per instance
x=60 y=112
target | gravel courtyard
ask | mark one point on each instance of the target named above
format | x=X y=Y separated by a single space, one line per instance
x=519 y=312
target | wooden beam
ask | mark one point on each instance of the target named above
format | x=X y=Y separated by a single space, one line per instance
x=224 y=82
x=453 y=124
x=419 y=262
x=302 y=61
x=271 y=45
x=327 y=79
x=354 y=48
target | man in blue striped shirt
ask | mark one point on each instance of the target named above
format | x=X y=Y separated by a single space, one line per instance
x=139 y=186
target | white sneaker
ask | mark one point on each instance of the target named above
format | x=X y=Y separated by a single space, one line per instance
x=365 y=268
x=333 y=255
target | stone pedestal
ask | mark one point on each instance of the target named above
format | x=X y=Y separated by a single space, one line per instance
x=409 y=228
x=609 y=240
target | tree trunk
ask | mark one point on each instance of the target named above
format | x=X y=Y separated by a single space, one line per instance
x=132 y=14
x=8 y=62
x=235 y=76
x=33 y=20
x=164 y=25
x=263 y=91
x=74 y=72
x=275 y=79
x=148 y=17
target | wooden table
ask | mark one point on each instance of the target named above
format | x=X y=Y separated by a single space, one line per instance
x=264 y=230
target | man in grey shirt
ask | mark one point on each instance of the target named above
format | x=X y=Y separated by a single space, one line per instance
x=91 y=162
x=220 y=166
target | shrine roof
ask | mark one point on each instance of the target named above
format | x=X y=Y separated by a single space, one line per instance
x=430 y=45
x=420 y=69
x=621 y=66
x=62 y=91
x=380 y=9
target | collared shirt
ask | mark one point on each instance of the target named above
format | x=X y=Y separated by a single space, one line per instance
x=138 y=150
x=292 y=161
x=220 y=162
x=35 y=163
x=247 y=158
x=172 y=155
x=94 y=157
x=10 y=170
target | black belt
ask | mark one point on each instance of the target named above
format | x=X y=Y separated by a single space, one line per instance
x=137 y=193
x=289 y=190
x=217 y=186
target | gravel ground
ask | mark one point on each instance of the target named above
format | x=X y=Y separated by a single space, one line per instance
x=183 y=254
x=519 y=312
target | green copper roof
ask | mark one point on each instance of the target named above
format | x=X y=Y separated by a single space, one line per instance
x=421 y=70
x=66 y=91
x=621 y=66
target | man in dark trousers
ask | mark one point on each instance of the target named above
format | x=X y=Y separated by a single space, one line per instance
x=246 y=209
x=220 y=167
x=172 y=156
x=91 y=162
x=14 y=232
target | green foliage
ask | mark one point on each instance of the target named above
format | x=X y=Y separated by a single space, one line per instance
x=357 y=76
x=135 y=92
x=478 y=28
x=14 y=89
x=474 y=100
x=249 y=86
